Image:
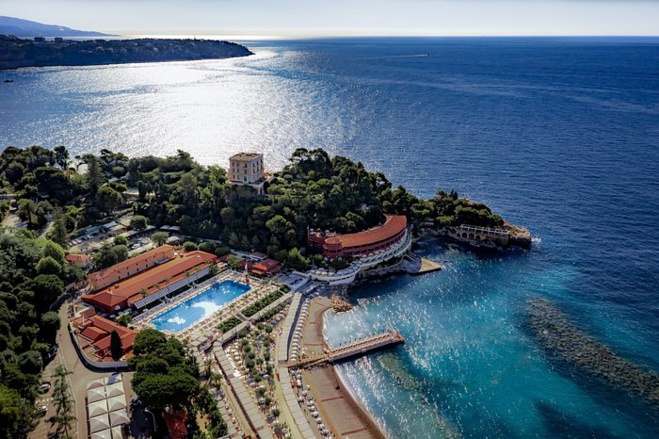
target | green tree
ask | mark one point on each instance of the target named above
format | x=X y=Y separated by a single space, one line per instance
x=138 y=222
x=48 y=288
x=119 y=253
x=59 y=233
x=15 y=414
x=108 y=199
x=48 y=265
x=120 y=240
x=61 y=156
x=95 y=178
x=159 y=238
x=116 y=346
x=189 y=246
x=148 y=341
x=54 y=250
x=296 y=261
x=125 y=319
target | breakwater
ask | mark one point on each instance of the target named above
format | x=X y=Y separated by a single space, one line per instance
x=558 y=334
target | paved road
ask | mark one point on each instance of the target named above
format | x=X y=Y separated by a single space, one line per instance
x=68 y=356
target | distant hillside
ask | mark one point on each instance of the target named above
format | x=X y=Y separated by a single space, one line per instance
x=16 y=52
x=26 y=28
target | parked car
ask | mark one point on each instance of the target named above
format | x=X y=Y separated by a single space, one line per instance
x=44 y=387
x=41 y=411
x=52 y=351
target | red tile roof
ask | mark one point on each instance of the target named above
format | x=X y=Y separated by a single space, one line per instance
x=77 y=258
x=393 y=225
x=119 y=293
x=99 y=330
x=124 y=265
x=93 y=333
x=266 y=266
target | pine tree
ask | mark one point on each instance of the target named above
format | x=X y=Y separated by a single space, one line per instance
x=58 y=233
x=116 y=346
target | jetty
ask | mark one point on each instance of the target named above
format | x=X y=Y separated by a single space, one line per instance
x=357 y=348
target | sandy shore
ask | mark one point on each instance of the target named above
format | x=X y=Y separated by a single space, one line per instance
x=343 y=415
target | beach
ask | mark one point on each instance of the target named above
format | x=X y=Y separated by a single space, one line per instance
x=338 y=408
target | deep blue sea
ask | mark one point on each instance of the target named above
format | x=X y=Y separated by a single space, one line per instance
x=558 y=135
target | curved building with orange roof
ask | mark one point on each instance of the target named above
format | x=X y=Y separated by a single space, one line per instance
x=361 y=243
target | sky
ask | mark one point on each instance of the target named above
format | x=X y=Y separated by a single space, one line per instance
x=307 y=18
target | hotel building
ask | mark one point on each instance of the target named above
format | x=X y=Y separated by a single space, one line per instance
x=143 y=279
x=246 y=168
x=360 y=244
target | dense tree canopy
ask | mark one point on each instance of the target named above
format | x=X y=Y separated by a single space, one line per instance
x=31 y=278
x=313 y=191
x=165 y=373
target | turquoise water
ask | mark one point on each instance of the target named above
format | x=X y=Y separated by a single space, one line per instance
x=560 y=135
x=199 y=307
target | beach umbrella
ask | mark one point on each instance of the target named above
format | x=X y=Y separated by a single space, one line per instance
x=96 y=394
x=97 y=408
x=119 y=418
x=99 y=423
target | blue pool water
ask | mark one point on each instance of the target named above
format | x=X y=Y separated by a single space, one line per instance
x=199 y=307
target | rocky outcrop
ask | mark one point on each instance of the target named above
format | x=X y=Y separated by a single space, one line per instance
x=558 y=334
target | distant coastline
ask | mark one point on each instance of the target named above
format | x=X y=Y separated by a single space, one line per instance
x=39 y=52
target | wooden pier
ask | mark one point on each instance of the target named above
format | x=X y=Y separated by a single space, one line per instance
x=357 y=348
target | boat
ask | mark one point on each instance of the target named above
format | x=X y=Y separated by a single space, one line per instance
x=8 y=80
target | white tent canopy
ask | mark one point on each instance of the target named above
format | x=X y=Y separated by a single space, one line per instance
x=114 y=389
x=117 y=433
x=116 y=403
x=119 y=418
x=99 y=423
x=104 y=434
x=97 y=408
x=95 y=384
x=96 y=394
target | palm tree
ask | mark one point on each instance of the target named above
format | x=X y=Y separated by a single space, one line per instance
x=215 y=380
x=64 y=421
x=62 y=399
x=208 y=367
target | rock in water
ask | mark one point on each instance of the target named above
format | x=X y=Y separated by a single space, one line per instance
x=557 y=333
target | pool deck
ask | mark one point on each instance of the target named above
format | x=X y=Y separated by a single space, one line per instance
x=201 y=328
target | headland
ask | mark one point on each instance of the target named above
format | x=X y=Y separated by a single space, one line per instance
x=39 y=52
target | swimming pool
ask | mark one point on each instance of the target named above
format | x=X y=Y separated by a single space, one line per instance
x=199 y=307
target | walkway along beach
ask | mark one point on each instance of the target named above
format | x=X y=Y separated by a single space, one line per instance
x=344 y=416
